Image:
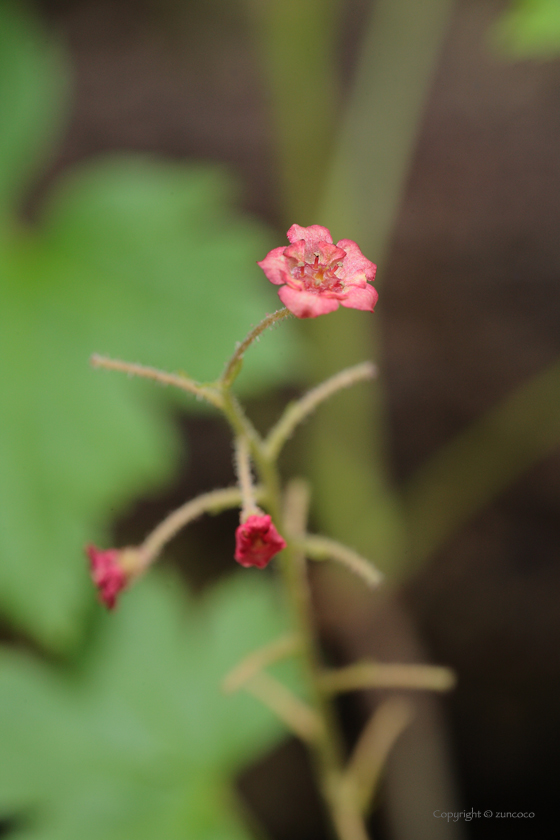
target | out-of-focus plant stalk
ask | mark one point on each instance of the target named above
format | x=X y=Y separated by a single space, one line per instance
x=473 y=468
x=357 y=196
x=399 y=53
x=297 y=42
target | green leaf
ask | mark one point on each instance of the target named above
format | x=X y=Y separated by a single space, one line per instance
x=133 y=258
x=158 y=242
x=32 y=95
x=139 y=741
x=137 y=259
x=529 y=29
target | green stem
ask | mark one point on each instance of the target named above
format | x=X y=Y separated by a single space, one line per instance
x=324 y=741
x=481 y=462
x=327 y=749
x=244 y=478
x=233 y=367
x=212 y=502
x=297 y=412
x=363 y=675
x=242 y=426
x=286 y=645
x=184 y=383
x=297 y=42
x=323 y=548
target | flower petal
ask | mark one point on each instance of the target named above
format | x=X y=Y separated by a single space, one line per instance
x=355 y=265
x=312 y=235
x=307 y=304
x=358 y=298
x=275 y=266
x=330 y=253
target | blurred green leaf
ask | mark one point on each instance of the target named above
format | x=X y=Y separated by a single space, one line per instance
x=32 y=95
x=133 y=258
x=139 y=741
x=529 y=29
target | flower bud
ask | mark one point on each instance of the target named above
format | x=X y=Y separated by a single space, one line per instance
x=111 y=570
x=257 y=541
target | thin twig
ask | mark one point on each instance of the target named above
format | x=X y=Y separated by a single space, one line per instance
x=323 y=548
x=244 y=477
x=259 y=659
x=349 y=822
x=175 y=379
x=370 y=753
x=212 y=502
x=296 y=507
x=234 y=364
x=362 y=675
x=298 y=411
x=296 y=714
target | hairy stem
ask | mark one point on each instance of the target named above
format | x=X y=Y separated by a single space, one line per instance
x=177 y=380
x=362 y=675
x=212 y=502
x=242 y=427
x=286 y=645
x=323 y=548
x=234 y=365
x=298 y=411
x=297 y=715
x=244 y=477
x=370 y=753
x=327 y=750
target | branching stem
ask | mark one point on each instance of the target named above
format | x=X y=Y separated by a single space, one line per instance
x=296 y=412
x=302 y=720
x=285 y=646
x=323 y=548
x=206 y=392
x=370 y=754
x=361 y=675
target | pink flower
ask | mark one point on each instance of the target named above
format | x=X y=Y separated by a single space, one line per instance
x=257 y=541
x=318 y=275
x=111 y=571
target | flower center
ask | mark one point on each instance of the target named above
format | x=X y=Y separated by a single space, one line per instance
x=318 y=276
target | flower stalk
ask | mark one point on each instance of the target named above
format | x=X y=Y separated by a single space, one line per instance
x=184 y=383
x=233 y=368
x=244 y=478
x=298 y=411
x=213 y=502
x=285 y=646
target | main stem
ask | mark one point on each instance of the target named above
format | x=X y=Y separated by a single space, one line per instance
x=326 y=749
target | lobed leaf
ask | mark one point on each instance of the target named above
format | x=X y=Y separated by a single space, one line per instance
x=139 y=741
x=134 y=258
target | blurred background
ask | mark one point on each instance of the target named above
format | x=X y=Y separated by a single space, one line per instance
x=150 y=153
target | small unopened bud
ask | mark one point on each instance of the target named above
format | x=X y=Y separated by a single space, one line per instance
x=111 y=570
x=257 y=541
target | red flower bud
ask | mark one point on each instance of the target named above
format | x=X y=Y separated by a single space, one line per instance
x=257 y=541
x=111 y=571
